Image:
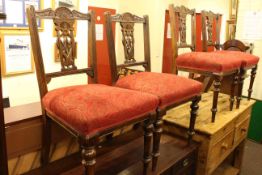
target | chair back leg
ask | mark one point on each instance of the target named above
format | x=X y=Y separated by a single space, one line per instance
x=217 y=84
x=232 y=91
x=46 y=140
x=252 y=79
x=241 y=78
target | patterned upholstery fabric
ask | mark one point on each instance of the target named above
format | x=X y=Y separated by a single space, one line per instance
x=246 y=58
x=92 y=108
x=208 y=61
x=168 y=87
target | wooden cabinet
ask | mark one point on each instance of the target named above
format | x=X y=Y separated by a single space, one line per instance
x=217 y=140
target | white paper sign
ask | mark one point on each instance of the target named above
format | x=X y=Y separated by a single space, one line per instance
x=14 y=12
x=99 y=32
x=168 y=33
x=17 y=53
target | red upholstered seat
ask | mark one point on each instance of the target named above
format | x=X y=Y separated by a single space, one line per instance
x=168 y=87
x=208 y=61
x=91 y=108
x=246 y=58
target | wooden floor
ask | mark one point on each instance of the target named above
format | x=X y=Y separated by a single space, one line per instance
x=126 y=159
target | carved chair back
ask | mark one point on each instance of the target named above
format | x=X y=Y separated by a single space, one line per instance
x=235 y=45
x=209 y=31
x=127 y=23
x=63 y=19
x=178 y=21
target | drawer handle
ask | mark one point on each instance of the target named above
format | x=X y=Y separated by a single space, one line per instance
x=224 y=146
x=185 y=162
x=244 y=130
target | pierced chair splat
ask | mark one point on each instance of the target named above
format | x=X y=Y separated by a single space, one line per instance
x=171 y=90
x=86 y=111
x=208 y=64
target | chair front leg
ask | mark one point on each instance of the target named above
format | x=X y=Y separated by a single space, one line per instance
x=217 y=84
x=233 y=87
x=241 y=78
x=156 y=137
x=88 y=153
x=252 y=79
x=148 y=134
x=46 y=139
x=193 y=114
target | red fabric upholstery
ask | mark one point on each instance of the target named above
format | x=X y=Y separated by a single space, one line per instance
x=168 y=87
x=208 y=61
x=92 y=108
x=246 y=58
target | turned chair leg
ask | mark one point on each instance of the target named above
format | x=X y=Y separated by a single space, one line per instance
x=46 y=140
x=232 y=93
x=156 y=138
x=194 y=108
x=240 y=86
x=217 y=84
x=252 y=79
x=148 y=134
x=88 y=153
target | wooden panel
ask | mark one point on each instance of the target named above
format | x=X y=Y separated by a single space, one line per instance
x=220 y=151
x=241 y=131
x=103 y=67
x=168 y=61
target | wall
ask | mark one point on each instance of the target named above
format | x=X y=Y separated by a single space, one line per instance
x=244 y=6
x=23 y=89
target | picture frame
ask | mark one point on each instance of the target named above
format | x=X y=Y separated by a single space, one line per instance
x=233 y=9
x=16 y=55
x=230 y=29
x=15 y=11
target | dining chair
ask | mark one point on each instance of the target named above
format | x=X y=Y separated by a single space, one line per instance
x=249 y=61
x=86 y=111
x=208 y=64
x=172 y=90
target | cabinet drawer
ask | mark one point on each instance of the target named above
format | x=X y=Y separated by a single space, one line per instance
x=241 y=131
x=183 y=167
x=219 y=151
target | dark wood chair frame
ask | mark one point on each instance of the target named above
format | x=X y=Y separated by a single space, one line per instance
x=64 y=19
x=179 y=14
x=127 y=22
x=3 y=149
x=239 y=46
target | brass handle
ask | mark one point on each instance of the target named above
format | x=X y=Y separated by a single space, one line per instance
x=185 y=162
x=243 y=129
x=224 y=146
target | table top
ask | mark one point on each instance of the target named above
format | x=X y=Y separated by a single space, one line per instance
x=181 y=114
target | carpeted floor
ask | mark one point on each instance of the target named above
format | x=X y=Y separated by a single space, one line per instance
x=252 y=162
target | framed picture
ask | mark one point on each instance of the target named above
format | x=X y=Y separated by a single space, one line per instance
x=233 y=9
x=15 y=11
x=71 y=4
x=16 y=56
x=230 y=29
